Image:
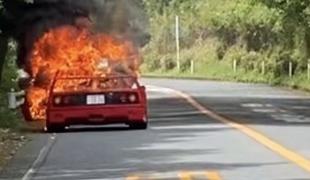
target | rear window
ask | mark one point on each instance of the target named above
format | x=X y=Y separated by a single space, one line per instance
x=94 y=84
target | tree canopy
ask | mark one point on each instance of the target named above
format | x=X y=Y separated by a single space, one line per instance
x=250 y=31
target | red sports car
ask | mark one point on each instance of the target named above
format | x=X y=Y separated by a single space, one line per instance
x=96 y=100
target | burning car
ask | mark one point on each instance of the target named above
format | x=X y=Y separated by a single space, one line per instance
x=96 y=39
x=72 y=64
x=96 y=100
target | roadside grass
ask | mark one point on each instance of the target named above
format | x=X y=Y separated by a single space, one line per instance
x=224 y=72
x=9 y=119
x=210 y=71
x=299 y=81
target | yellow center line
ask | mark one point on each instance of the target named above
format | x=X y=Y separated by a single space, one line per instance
x=286 y=153
x=185 y=175
x=213 y=175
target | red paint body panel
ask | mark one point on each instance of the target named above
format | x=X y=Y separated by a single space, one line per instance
x=97 y=115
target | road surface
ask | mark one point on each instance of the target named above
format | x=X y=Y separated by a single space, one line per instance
x=200 y=130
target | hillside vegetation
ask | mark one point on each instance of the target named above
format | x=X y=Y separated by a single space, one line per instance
x=263 y=37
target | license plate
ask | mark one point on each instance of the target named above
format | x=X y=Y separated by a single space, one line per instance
x=95 y=99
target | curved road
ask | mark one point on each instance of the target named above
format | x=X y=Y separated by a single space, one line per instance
x=199 y=130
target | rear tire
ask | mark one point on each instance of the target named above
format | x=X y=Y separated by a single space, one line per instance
x=138 y=126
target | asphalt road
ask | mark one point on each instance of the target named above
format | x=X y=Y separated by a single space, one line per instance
x=213 y=130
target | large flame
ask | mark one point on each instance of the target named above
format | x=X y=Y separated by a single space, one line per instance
x=74 y=51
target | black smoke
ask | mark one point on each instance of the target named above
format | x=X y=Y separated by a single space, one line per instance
x=123 y=18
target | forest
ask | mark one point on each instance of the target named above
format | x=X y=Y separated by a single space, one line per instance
x=267 y=40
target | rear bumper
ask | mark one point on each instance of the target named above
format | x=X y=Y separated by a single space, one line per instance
x=97 y=115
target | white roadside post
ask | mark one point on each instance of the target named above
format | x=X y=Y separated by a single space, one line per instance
x=235 y=66
x=15 y=99
x=290 y=69
x=308 y=70
x=192 y=67
x=263 y=68
x=177 y=38
x=12 y=99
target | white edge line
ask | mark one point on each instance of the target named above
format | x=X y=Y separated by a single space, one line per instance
x=42 y=155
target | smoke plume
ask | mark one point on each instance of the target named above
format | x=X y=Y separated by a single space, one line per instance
x=121 y=18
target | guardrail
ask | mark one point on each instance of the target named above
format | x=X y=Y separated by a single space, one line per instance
x=16 y=99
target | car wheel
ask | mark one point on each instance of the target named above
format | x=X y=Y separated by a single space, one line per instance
x=55 y=128
x=138 y=126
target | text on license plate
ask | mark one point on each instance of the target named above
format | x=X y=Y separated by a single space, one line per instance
x=95 y=99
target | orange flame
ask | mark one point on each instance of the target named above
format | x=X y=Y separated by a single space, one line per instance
x=74 y=51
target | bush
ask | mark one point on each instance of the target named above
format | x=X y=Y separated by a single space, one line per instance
x=168 y=62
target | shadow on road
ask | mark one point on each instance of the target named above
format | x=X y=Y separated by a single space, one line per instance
x=279 y=112
x=261 y=111
x=173 y=111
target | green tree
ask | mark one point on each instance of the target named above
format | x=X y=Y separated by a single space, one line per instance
x=10 y=10
x=3 y=39
x=295 y=20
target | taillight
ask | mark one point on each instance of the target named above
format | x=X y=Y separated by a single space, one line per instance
x=57 y=100
x=69 y=100
x=132 y=98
